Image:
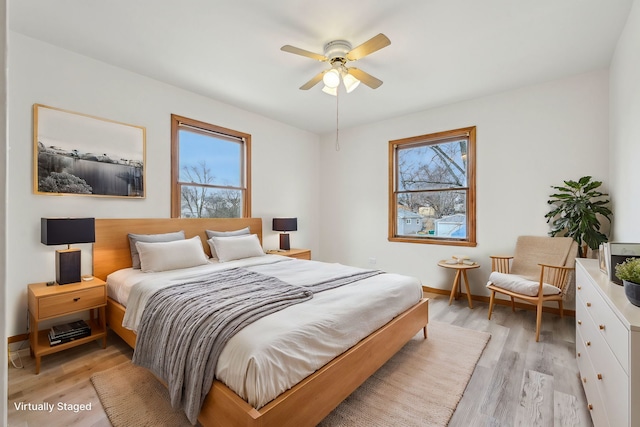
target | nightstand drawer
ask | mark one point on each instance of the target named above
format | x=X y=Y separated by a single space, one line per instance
x=70 y=302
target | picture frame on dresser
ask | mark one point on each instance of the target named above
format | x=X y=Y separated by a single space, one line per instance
x=602 y=258
x=79 y=154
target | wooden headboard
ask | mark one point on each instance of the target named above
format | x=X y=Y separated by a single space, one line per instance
x=111 y=249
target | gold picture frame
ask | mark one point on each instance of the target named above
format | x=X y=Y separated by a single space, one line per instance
x=79 y=154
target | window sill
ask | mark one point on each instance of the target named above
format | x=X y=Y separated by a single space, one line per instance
x=429 y=241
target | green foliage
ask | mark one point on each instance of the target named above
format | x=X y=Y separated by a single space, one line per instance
x=576 y=211
x=629 y=270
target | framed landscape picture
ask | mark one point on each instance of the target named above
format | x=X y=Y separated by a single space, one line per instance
x=84 y=155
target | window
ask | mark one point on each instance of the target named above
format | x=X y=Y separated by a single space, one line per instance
x=432 y=181
x=210 y=170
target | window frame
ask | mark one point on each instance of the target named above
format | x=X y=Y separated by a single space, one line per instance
x=207 y=129
x=431 y=139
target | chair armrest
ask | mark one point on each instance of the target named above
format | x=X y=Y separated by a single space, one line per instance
x=556 y=275
x=563 y=267
x=501 y=263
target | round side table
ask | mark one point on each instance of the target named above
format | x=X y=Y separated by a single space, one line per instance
x=461 y=270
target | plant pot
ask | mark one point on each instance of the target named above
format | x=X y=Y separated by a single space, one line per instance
x=632 y=291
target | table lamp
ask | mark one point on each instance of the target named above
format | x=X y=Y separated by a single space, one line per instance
x=285 y=224
x=65 y=231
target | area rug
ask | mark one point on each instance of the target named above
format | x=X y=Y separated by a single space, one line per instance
x=420 y=386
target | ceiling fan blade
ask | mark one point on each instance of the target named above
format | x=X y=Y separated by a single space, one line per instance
x=302 y=52
x=314 y=81
x=372 y=45
x=365 y=78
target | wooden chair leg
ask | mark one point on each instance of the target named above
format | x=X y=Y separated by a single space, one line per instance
x=538 y=320
x=513 y=305
x=493 y=295
x=561 y=308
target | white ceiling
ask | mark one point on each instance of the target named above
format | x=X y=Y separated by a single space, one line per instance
x=442 y=51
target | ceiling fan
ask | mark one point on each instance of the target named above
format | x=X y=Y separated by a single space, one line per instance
x=338 y=54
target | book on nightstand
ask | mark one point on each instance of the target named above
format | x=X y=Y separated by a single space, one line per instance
x=56 y=341
x=69 y=330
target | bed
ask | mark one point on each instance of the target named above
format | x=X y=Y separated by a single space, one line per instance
x=326 y=387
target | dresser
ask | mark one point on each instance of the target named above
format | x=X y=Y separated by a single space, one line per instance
x=607 y=347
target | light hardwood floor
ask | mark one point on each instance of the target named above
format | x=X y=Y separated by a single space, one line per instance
x=517 y=381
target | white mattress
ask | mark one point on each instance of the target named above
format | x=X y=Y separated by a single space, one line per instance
x=276 y=352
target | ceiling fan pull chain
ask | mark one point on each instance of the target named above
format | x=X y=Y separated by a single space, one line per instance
x=337 y=121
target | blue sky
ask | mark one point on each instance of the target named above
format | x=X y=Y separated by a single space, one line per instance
x=222 y=157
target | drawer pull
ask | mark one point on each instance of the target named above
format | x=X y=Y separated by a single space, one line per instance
x=579 y=287
x=579 y=322
x=588 y=343
x=588 y=304
x=599 y=376
x=584 y=380
x=601 y=327
x=590 y=407
x=76 y=299
x=578 y=354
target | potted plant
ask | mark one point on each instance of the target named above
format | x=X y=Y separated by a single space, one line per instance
x=629 y=273
x=577 y=209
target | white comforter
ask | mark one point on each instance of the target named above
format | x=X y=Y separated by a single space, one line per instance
x=276 y=352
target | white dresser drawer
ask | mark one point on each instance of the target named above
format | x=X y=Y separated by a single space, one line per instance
x=610 y=380
x=588 y=378
x=607 y=323
x=606 y=319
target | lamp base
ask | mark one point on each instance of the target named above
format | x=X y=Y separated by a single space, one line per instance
x=284 y=242
x=68 y=266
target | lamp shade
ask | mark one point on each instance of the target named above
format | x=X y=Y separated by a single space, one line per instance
x=350 y=82
x=285 y=224
x=65 y=231
x=331 y=78
x=330 y=90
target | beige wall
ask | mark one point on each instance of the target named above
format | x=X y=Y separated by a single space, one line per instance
x=3 y=202
x=625 y=131
x=527 y=140
x=44 y=74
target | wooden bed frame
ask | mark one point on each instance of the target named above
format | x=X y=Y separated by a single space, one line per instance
x=308 y=402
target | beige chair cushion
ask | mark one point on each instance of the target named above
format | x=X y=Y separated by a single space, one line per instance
x=533 y=250
x=520 y=284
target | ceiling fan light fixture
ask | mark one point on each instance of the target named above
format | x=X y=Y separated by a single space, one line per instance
x=350 y=82
x=330 y=90
x=331 y=78
x=338 y=53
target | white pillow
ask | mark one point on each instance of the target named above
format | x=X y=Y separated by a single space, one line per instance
x=237 y=247
x=150 y=238
x=163 y=256
x=213 y=233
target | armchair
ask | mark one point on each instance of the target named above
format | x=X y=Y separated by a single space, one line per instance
x=537 y=272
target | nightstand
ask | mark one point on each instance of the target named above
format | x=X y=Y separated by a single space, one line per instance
x=293 y=253
x=51 y=302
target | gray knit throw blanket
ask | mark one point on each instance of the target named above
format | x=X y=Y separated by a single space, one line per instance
x=185 y=327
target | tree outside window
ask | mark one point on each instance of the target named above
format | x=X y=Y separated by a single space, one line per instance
x=210 y=170
x=432 y=181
